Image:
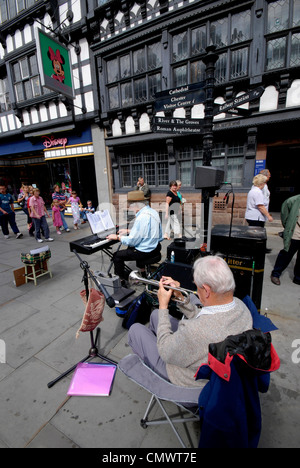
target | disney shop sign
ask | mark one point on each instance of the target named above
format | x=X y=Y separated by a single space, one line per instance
x=54 y=64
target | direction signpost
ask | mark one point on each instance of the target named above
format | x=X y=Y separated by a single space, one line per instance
x=176 y=125
x=240 y=101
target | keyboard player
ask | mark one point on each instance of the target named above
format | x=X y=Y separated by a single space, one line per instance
x=143 y=240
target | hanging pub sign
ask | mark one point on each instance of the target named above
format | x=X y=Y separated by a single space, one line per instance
x=54 y=64
x=183 y=96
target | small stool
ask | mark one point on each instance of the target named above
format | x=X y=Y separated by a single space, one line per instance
x=36 y=265
x=147 y=264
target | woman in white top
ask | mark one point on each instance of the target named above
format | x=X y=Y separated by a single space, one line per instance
x=257 y=210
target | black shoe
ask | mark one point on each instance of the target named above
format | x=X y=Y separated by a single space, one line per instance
x=296 y=281
x=275 y=280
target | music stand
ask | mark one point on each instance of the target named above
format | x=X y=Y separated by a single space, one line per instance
x=93 y=352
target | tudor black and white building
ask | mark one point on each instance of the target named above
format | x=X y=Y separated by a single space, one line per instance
x=125 y=52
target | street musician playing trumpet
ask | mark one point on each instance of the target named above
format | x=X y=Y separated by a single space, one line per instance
x=175 y=349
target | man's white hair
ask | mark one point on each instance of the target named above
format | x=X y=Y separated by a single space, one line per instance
x=214 y=271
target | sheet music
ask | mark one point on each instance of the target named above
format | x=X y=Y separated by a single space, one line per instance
x=100 y=221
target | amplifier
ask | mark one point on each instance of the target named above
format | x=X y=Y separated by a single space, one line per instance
x=185 y=250
x=244 y=252
x=179 y=272
x=248 y=276
x=249 y=241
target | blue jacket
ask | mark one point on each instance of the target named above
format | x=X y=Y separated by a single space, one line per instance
x=238 y=369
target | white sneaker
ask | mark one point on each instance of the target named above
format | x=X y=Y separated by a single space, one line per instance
x=6 y=237
x=68 y=230
x=49 y=239
x=19 y=235
x=40 y=240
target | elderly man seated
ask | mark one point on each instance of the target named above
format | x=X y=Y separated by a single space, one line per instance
x=175 y=349
x=143 y=240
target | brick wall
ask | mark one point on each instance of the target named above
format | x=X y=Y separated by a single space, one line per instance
x=221 y=210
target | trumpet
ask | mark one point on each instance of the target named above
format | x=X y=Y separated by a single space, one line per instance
x=134 y=279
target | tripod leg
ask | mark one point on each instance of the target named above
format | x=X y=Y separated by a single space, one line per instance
x=53 y=382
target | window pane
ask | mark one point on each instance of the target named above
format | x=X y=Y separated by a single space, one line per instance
x=28 y=90
x=180 y=76
x=180 y=46
x=35 y=83
x=125 y=66
x=113 y=97
x=295 y=52
x=197 y=71
x=21 y=5
x=139 y=61
x=239 y=63
x=278 y=15
x=126 y=93
x=154 y=56
x=185 y=172
x=33 y=65
x=219 y=32
x=3 y=11
x=235 y=171
x=19 y=92
x=12 y=8
x=296 y=13
x=198 y=40
x=112 y=71
x=140 y=91
x=240 y=27
x=276 y=51
x=154 y=84
x=149 y=173
x=16 y=72
x=137 y=171
x=24 y=68
x=221 y=67
x=125 y=176
x=163 y=173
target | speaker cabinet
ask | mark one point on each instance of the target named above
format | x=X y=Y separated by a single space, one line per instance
x=244 y=250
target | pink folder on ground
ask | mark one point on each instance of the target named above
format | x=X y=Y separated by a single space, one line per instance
x=92 y=379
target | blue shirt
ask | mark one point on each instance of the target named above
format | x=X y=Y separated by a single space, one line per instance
x=5 y=201
x=146 y=232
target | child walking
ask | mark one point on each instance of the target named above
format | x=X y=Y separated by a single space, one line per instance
x=56 y=216
x=38 y=212
x=76 y=206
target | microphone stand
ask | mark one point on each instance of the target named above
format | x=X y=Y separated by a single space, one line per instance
x=93 y=352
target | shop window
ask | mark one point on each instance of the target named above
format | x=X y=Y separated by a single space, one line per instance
x=229 y=158
x=152 y=165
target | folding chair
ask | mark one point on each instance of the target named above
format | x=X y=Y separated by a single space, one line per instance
x=162 y=390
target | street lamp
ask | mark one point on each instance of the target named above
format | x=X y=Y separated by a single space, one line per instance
x=208 y=193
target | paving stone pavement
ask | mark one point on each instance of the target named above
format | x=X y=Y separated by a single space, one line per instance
x=38 y=327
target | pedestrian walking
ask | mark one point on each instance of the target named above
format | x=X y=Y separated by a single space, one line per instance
x=7 y=213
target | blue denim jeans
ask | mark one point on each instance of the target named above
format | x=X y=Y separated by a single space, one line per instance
x=62 y=214
x=39 y=224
